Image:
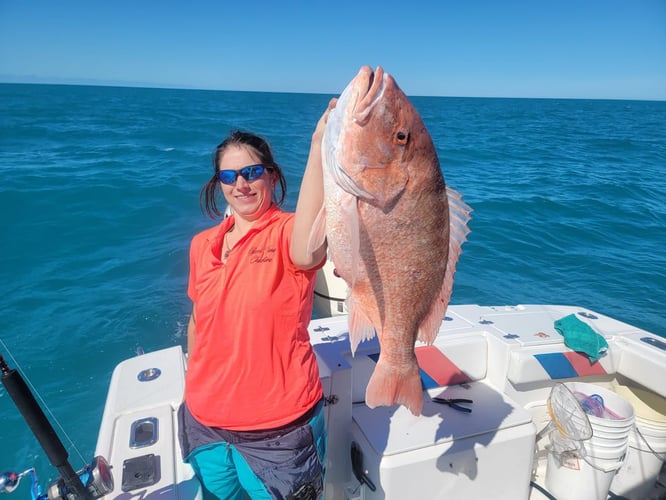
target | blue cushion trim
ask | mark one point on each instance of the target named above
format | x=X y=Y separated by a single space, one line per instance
x=556 y=365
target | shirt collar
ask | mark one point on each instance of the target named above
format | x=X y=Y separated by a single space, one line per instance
x=266 y=218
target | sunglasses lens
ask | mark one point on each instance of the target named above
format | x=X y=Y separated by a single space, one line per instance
x=252 y=172
x=227 y=176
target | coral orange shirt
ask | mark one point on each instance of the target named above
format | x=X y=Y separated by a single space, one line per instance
x=252 y=365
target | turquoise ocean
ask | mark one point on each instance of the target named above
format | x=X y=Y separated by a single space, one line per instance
x=99 y=197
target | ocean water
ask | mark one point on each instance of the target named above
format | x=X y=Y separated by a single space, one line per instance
x=99 y=197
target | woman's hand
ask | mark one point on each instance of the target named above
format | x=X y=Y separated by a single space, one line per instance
x=318 y=134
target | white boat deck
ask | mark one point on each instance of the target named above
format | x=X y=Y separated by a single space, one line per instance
x=490 y=355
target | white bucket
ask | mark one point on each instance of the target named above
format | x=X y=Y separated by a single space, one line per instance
x=601 y=438
x=579 y=477
x=647 y=445
x=655 y=436
x=589 y=474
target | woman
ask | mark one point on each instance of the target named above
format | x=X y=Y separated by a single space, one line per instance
x=252 y=422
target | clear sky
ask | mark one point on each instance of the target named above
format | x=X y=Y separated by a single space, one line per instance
x=522 y=48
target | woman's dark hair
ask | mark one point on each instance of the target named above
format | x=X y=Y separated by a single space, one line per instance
x=260 y=147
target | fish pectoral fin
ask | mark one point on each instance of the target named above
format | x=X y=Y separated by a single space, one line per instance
x=354 y=233
x=458 y=230
x=388 y=386
x=351 y=233
x=318 y=232
x=360 y=327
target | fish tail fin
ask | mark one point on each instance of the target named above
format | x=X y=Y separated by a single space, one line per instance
x=389 y=386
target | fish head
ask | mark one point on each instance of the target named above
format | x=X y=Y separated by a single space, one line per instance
x=374 y=133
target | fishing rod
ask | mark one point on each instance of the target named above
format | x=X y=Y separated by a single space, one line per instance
x=94 y=481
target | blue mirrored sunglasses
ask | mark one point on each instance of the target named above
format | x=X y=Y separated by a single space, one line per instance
x=249 y=173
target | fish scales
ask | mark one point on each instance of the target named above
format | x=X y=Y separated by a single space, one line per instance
x=387 y=220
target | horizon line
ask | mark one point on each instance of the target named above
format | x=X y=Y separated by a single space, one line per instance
x=10 y=79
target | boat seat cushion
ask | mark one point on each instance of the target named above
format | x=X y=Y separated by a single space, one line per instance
x=437 y=370
x=528 y=366
x=449 y=361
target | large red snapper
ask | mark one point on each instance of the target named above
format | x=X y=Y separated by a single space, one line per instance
x=393 y=228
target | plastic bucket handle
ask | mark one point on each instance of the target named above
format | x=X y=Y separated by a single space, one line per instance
x=609 y=468
x=661 y=457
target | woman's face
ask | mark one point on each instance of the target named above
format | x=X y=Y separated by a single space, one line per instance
x=248 y=199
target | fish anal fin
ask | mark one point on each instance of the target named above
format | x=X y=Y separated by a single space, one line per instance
x=360 y=326
x=388 y=386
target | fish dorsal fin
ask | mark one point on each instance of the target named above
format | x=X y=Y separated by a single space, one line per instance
x=458 y=218
x=318 y=231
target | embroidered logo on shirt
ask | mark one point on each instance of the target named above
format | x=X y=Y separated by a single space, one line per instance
x=262 y=255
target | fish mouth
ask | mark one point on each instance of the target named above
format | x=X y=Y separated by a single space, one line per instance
x=370 y=89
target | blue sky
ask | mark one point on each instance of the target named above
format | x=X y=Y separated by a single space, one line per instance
x=539 y=48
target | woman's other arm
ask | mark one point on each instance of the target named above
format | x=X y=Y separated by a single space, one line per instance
x=190 y=334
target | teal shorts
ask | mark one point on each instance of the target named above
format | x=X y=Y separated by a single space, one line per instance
x=285 y=463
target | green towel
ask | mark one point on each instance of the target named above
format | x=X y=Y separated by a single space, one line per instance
x=580 y=337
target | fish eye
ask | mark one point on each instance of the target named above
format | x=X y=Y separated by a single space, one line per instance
x=402 y=136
